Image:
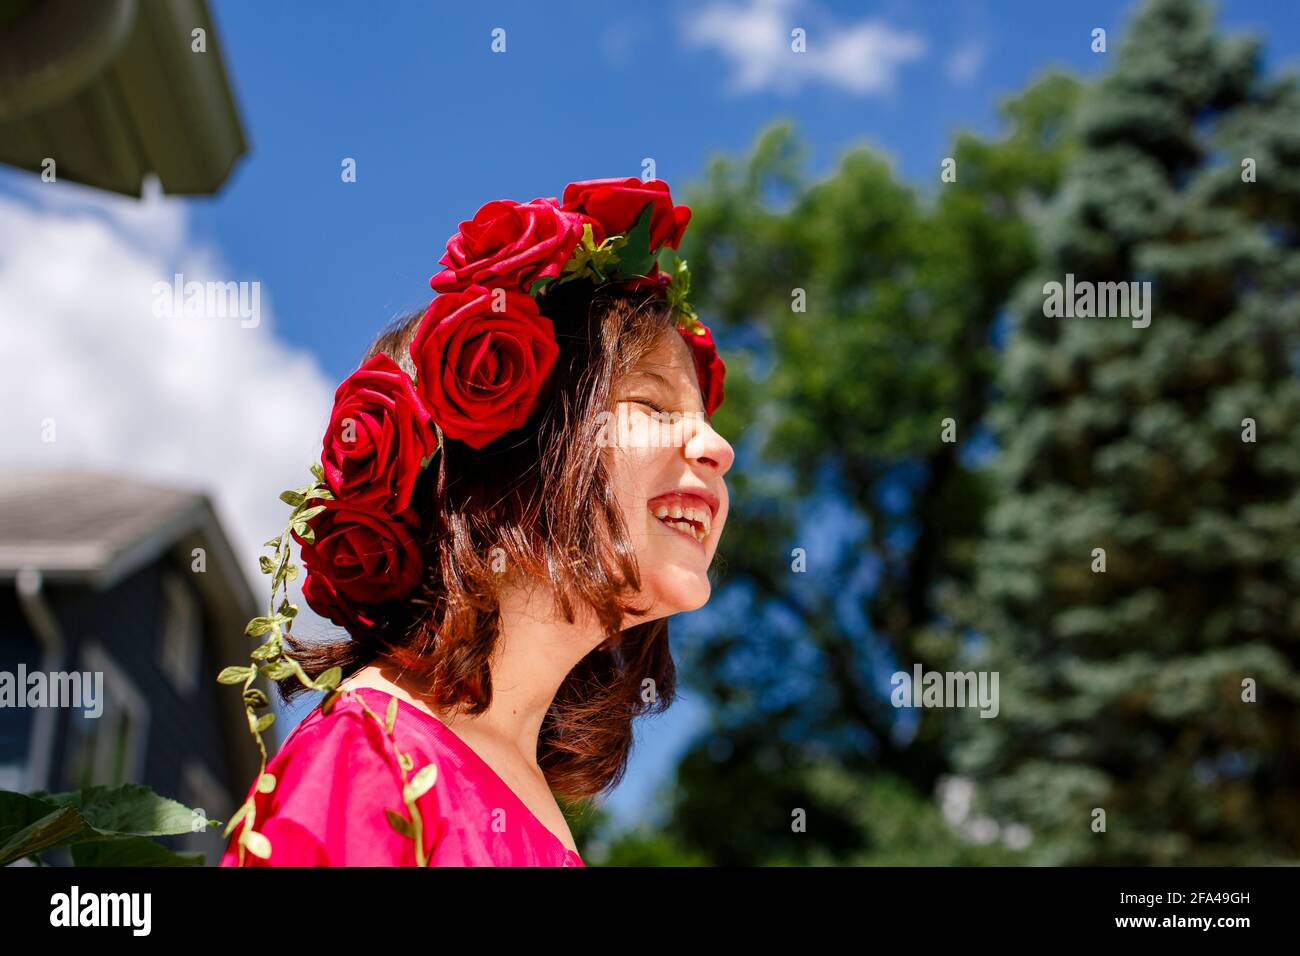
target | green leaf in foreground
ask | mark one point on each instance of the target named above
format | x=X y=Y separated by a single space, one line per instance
x=125 y=815
x=130 y=851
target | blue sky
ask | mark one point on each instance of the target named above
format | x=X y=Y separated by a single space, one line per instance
x=438 y=124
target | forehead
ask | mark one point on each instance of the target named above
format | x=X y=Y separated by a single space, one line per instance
x=670 y=360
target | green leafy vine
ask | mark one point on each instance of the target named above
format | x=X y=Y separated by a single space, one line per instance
x=268 y=658
x=413 y=787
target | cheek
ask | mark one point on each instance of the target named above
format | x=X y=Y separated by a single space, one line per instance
x=633 y=473
x=622 y=468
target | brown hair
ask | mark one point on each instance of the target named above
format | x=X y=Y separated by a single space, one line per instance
x=539 y=498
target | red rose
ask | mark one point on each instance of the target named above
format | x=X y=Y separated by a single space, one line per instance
x=483 y=372
x=359 y=559
x=617 y=204
x=709 y=366
x=378 y=434
x=511 y=244
x=325 y=601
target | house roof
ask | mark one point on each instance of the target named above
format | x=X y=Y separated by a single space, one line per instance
x=87 y=526
x=115 y=91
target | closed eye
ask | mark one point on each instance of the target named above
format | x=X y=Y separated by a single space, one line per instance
x=647 y=403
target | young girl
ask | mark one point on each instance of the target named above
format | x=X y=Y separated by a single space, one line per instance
x=517 y=489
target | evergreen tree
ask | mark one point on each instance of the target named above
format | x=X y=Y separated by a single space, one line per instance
x=1170 y=450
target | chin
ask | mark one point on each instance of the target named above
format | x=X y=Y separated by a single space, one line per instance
x=683 y=591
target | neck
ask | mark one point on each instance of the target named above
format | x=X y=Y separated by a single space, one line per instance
x=535 y=650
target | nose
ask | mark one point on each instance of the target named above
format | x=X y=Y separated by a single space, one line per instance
x=709 y=449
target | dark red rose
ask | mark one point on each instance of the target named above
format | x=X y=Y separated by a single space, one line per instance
x=708 y=366
x=359 y=559
x=483 y=372
x=321 y=597
x=617 y=204
x=511 y=244
x=379 y=432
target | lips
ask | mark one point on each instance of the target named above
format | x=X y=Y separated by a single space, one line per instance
x=689 y=513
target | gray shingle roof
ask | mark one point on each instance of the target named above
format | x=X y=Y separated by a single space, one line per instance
x=83 y=524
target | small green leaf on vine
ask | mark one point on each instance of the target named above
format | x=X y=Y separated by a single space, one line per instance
x=256 y=844
x=255 y=698
x=328 y=680
x=399 y=823
x=277 y=670
x=259 y=626
x=239 y=815
x=421 y=783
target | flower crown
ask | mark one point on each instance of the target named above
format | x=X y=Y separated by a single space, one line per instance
x=484 y=356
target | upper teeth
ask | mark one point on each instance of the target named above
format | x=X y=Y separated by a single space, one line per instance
x=702 y=517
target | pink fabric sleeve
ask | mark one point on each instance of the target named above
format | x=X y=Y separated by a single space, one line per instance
x=334 y=780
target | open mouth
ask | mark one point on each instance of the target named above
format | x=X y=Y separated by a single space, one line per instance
x=693 y=523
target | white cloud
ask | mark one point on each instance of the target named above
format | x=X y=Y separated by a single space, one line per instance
x=966 y=61
x=199 y=402
x=863 y=57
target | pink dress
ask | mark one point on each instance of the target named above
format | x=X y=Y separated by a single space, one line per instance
x=336 y=774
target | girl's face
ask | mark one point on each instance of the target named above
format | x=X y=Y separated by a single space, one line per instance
x=667 y=465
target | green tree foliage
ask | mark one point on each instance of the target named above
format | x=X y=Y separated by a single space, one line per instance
x=1122 y=690
x=836 y=411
